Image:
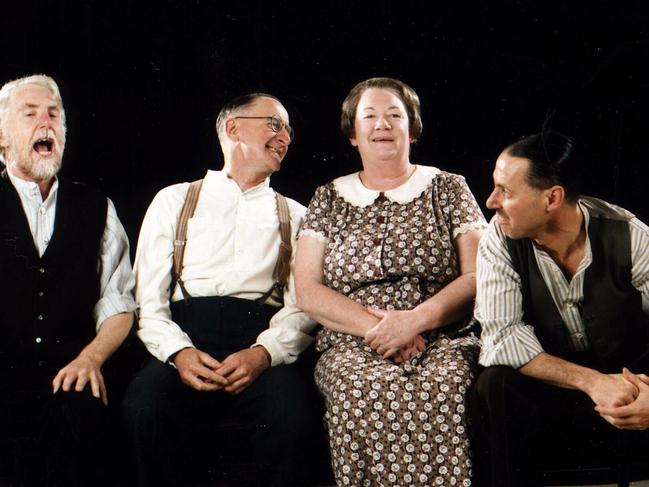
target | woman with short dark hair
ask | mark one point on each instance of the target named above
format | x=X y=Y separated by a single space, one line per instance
x=385 y=262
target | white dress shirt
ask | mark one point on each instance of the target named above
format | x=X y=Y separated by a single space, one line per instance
x=116 y=278
x=506 y=339
x=232 y=245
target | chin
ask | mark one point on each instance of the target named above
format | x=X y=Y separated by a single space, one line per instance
x=45 y=168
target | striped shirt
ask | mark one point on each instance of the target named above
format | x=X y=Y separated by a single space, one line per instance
x=113 y=262
x=506 y=339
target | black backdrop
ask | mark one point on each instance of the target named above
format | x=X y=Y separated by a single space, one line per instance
x=142 y=83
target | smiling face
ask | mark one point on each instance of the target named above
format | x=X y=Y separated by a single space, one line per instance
x=521 y=208
x=381 y=126
x=258 y=145
x=33 y=133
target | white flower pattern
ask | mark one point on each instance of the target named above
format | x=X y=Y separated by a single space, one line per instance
x=392 y=425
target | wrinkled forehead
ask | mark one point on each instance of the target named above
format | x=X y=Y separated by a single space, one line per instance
x=264 y=106
x=35 y=95
x=510 y=169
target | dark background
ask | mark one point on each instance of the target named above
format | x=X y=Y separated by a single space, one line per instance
x=142 y=83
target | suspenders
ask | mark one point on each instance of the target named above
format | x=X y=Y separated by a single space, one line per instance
x=282 y=266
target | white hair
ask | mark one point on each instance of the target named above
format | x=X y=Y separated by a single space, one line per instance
x=35 y=79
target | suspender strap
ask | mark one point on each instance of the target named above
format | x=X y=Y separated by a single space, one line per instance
x=282 y=266
x=181 y=237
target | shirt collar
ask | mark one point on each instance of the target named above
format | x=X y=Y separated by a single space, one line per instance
x=352 y=190
x=30 y=189
x=220 y=180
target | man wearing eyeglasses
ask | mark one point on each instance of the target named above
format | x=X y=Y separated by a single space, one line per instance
x=222 y=349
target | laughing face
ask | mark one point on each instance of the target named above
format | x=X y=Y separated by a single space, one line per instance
x=33 y=134
x=381 y=126
x=259 y=145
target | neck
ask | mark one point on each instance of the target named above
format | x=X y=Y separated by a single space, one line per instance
x=386 y=175
x=564 y=234
x=244 y=175
x=44 y=185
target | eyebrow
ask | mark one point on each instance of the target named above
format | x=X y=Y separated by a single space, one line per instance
x=36 y=105
x=389 y=108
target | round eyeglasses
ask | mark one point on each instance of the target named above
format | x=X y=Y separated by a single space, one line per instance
x=276 y=124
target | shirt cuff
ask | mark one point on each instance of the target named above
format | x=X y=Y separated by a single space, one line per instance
x=284 y=346
x=515 y=349
x=112 y=305
x=170 y=346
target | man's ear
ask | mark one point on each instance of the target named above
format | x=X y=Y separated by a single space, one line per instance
x=232 y=129
x=555 y=195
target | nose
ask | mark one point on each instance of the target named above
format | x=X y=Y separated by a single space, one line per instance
x=493 y=202
x=284 y=136
x=45 y=120
x=382 y=123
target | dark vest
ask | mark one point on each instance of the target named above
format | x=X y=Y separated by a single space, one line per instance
x=46 y=316
x=616 y=327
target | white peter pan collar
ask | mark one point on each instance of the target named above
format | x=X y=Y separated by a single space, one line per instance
x=351 y=189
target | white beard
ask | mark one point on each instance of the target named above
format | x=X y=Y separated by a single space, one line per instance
x=45 y=169
x=42 y=169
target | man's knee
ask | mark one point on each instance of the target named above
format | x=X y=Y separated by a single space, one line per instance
x=493 y=382
x=74 y=410
x=148 y=393
x=288 y=398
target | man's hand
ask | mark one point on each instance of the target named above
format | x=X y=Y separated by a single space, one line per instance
x=634 y=415
x=612 y=390
x=83 y=370
x=393 y=332
x=410 y=350
x=243 y=367
x=198 y=370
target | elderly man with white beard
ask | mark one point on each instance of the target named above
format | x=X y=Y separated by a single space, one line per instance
x=67 y=300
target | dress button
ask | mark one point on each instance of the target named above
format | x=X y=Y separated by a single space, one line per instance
x=380 y=219
x=41 y=294
x=41 y=210
x=39 y=317
x=377 y=241
x=41 y=270
x=41 y=363
x=38 y=340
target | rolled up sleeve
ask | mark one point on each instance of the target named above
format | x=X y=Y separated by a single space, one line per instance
x=506 y=339
x=115 y=273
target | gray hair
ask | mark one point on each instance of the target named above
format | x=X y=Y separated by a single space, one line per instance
x=35 y=79
x=234 y=106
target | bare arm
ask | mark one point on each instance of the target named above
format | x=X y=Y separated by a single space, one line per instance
x=606 y=390
x=454 y=301
x=86 y=368
x=330 y=308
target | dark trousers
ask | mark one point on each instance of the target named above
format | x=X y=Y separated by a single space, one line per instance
x=519 y=424
x=61 y=439
x=175 y=429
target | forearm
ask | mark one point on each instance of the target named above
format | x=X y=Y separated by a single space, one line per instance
x=559 y=372
x=334 y=310
x=112 y=333
x=451 y=304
